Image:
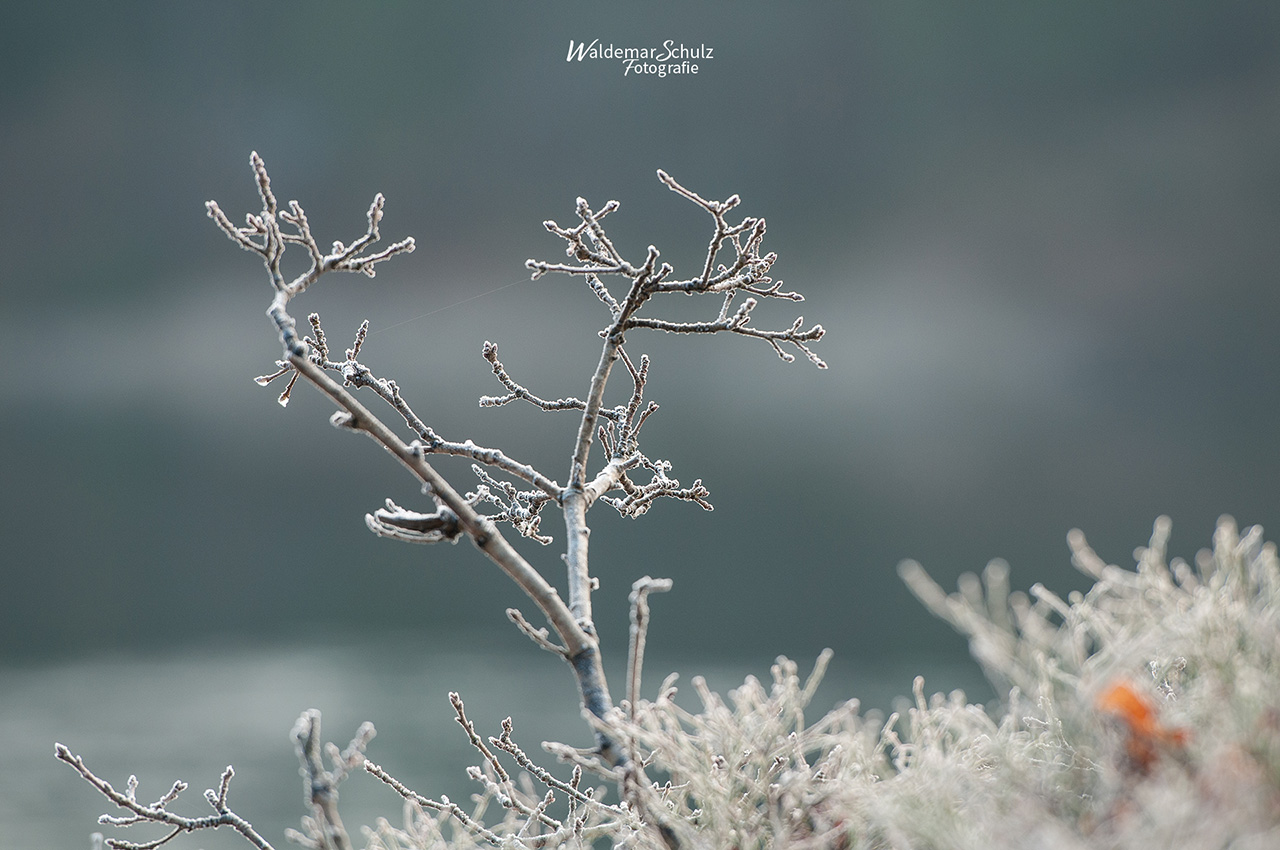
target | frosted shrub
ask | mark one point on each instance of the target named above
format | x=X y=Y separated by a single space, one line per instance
x=1144 y=713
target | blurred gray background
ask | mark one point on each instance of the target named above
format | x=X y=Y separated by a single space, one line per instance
x=1042 y=237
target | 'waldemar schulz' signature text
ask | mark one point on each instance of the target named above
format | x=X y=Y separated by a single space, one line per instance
x=669 y=58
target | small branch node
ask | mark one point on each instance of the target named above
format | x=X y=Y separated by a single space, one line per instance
x=541 y=637
x=412 y=527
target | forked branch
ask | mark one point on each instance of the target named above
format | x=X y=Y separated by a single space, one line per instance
x=308 y=357
x=323 y=830
x=594 y=256
x=158 y=812
x=747 y=272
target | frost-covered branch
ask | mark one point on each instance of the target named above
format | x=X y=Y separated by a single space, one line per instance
x=323 y=830
x=594 y=256
x=158 y=813
x=737 y=323
x=629 y=480
x=639 y=600
x=356 y=374
x=620 y=439
x=309 y=359
x=263 y=236
x=521 y=508
x=525 y=822
x=747 y=273
x=517 y=391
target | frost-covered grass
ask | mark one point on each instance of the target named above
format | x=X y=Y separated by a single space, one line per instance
x=1145 y=713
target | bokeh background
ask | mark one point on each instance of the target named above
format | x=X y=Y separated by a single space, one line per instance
x=1042 y=237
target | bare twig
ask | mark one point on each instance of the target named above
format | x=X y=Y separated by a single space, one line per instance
x=516 y=391
x=538 y=636
x=444 y=804
x=320 y=784
x=506 y=792
x=505 y=743
x=476 y=741
x=157 y=813
x=635 y=783
x=639 y=599
x=356 y=374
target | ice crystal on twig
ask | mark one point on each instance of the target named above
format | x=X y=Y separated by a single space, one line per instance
x=157 y=812
x=516 y=391
x=746 y=273
x=412 y=527
x=525 y=821
x=263 y=235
